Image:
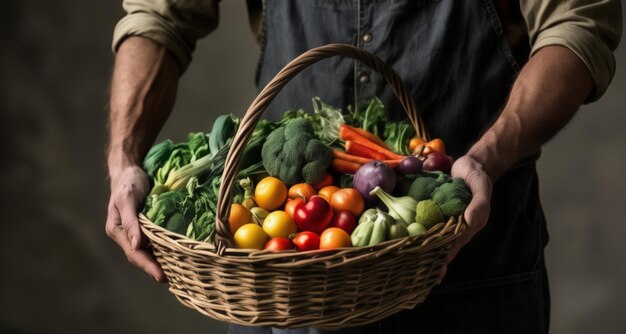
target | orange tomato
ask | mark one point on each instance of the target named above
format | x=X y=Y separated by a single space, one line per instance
x=270 y=193
x=415 y=142
x=327 y=192
x=291 y=204
x=435 y=145
x=348 y=199
x=326 y=181
x=302 y=190
x=334 y=237
x=238 y=217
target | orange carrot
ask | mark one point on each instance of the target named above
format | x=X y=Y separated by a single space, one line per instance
x=363 y=151
x=343 y=166
x=349 y=157
x=360 y=160
x=372 y=137
x=348 y=134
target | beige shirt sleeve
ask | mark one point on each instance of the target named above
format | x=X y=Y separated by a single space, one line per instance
x=176 y=24
x=590 y=29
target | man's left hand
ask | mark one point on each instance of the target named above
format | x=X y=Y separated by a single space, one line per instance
x=477 y=211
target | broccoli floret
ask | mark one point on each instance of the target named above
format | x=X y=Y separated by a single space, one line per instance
x=297 y=127
x=172 y=210
x=293 y=154
x=452 y=197
x=318 y=157
x=424 y=185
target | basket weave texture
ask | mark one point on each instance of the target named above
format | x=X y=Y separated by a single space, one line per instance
x=327 y=289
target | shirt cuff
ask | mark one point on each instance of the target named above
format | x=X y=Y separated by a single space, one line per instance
x=154 y=28
x=595 y=54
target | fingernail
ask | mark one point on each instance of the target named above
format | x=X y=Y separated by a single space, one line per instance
x=134 y=242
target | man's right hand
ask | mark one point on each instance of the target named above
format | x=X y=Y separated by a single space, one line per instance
x=143 y=89
x=129 y=187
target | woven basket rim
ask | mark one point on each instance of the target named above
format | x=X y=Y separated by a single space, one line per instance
x=349 y=254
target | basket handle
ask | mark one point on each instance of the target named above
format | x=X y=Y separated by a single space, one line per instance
x=223 y=238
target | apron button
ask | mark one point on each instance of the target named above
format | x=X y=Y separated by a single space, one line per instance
x=364 y=78
x=367 y=37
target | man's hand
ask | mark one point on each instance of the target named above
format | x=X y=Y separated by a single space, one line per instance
x=477 y=211
x=143 y=90
x=545 y=96
x=129 y=187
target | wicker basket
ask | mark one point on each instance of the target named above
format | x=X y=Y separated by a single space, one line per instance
x=328 y=289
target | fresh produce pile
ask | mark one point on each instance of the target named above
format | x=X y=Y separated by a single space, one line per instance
x=318 y=180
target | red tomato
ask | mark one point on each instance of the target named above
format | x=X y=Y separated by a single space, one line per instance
x=278 y=244
x=306 y=240
x=345 y=220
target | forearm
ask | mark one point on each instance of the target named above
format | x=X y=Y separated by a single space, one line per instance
x=143 y=90
x=545 y=96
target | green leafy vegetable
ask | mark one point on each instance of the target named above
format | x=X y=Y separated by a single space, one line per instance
x=157 y=156
x=252 y=152
x=171 y=210
x=324 y=119
x=179 y=157
x=373 y=119
x=397 y=136
x=329 y=119
x=198 y=145
x=224 y=129
x=203 y=168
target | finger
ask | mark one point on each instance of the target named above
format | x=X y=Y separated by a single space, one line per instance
x=454 y=250
x=138 y=257
x=476 y=215
x=130 y=221
x=442 y=274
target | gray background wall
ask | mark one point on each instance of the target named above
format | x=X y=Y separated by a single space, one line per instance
x=60 y=273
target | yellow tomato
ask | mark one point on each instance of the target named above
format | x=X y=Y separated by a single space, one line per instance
x=327 y=192
x=238 y=217
x=250 y=236
x=270 y=193
x=279 y=224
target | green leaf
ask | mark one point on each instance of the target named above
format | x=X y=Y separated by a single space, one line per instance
x=328 y=121
x=397 y=136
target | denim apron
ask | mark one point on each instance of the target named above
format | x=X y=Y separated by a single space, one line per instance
x=454 y=58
